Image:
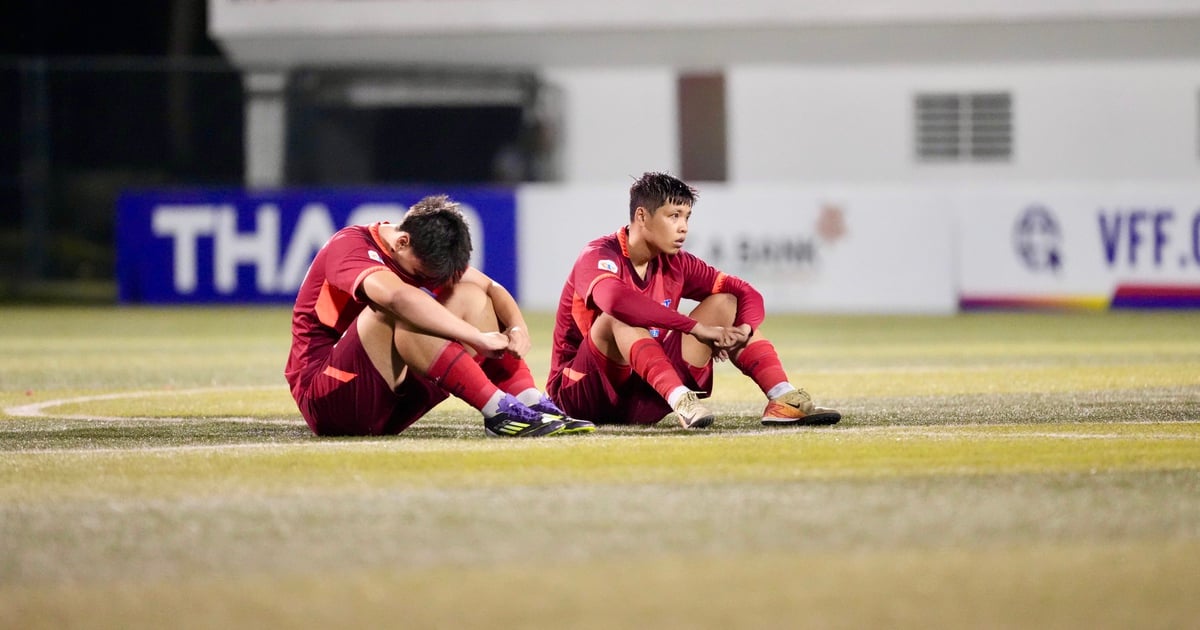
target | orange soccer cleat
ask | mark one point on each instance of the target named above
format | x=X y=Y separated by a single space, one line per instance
x=796 y=408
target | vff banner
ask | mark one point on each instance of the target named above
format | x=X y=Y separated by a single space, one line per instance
x=238 y=246
x=1106 y=246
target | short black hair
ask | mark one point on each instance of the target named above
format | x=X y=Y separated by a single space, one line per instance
x=652 y=190
x=439 y=237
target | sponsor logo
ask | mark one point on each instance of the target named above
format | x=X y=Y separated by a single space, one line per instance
x=233 y=246
x=1037 y=239
x=831 y=224
x=607 y=265
x=1136 y=238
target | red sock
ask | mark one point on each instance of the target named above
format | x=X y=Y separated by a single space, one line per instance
x=457 y=372
x=761 y=363
x=510 y=373
x=648 y=360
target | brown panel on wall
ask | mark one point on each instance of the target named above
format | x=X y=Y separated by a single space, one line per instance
x=702 y=127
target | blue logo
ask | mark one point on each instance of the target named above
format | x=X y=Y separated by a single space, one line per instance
x=1037 y=239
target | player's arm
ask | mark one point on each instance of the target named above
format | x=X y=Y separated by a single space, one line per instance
x=419 y=310
x=598 y=270
x=508 y=312
x=750 y=311
x=703 y=280
x=612 y=296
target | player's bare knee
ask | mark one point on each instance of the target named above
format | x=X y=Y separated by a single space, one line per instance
x=465 y=300
x=718 y=309
x=375 y=322
x=608 y=327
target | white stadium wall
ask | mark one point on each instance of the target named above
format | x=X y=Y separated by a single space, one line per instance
x=817 y=124
x=616 y=122
x=1071 y=121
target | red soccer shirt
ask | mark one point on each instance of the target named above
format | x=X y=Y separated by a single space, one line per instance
x=653 y=300
x=330 y=297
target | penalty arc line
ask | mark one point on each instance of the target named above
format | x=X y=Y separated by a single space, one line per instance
x=38 y=409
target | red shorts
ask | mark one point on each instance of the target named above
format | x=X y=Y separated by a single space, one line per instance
x=593 y=388
x=348 y=396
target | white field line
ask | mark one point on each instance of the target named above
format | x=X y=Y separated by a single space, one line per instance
x=972 y=430
x=976 y=431
x=38 y=409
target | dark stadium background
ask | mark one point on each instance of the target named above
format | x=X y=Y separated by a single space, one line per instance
x=97 y=98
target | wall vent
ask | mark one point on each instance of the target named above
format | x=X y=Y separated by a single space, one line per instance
x=963 y=127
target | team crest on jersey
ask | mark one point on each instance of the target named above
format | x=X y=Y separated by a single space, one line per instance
x=374 y=255
x=607 y=265
x=667 y=302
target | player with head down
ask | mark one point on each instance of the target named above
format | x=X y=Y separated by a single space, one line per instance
x=391 y=319
x=623 y=353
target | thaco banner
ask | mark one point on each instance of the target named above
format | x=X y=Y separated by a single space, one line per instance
x=237 y=246
x=1095 y=246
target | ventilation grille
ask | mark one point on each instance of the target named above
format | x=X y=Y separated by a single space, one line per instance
x=973 y=127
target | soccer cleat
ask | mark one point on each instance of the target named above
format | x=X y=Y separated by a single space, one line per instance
x=570 y=425
x=517 y=420
x=796 y=408
x=692 y=414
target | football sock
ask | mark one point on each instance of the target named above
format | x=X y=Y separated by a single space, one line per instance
x=648 y=360
x=676 y=394
x=780 y=389
x=530 y=397
x=492 y=407
x=761 y=363
x=456 y=372
x=509 y=373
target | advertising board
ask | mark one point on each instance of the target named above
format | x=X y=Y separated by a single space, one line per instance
x=830 y=249
x=237 y=246
x=1098 y=246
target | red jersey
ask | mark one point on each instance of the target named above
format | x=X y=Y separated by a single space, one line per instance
x=330 y=297
x=651 y=302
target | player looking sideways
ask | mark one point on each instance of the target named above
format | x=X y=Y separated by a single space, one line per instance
x=623 y=353
x=385 y=326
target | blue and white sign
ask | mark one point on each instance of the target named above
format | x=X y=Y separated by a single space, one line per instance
x=236 y=246
x=1131 y=245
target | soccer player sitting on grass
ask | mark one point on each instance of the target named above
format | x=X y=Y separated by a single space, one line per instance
x=623 y=353
x=385 y=326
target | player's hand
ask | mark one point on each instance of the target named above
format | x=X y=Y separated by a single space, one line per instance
x=716 y=337
x=740 y=337
x=708 y=335
x=491 y=344
x=737 y=338
x=723 y=340
x=518 y=341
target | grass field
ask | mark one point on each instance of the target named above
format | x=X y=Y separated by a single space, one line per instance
x=992 y=470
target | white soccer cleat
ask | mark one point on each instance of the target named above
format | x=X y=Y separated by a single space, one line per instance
x=692 y=414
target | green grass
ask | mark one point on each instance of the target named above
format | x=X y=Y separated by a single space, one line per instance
x=992 y=470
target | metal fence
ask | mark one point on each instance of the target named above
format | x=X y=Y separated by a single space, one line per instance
x=79 y=131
